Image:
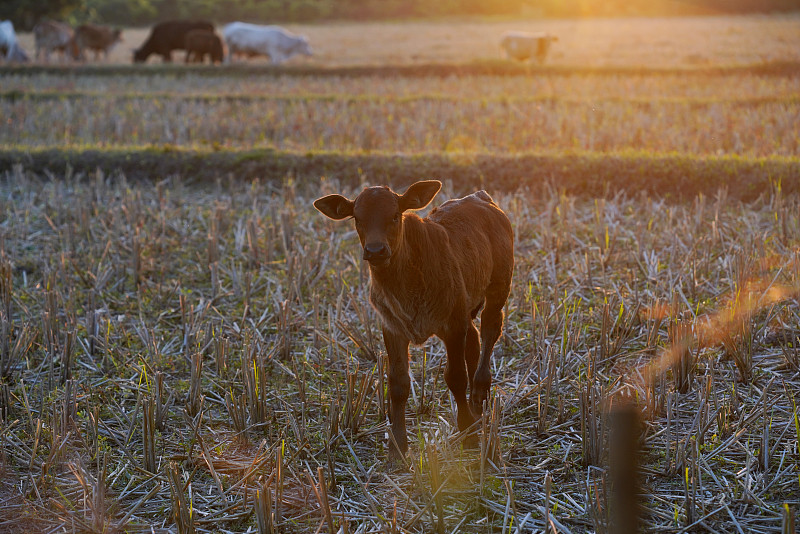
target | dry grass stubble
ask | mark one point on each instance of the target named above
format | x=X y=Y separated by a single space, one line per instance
x=204 y=356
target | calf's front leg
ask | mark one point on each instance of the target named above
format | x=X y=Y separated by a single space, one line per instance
x=399 y=387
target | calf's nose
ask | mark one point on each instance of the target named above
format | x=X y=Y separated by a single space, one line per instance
x=376 y=251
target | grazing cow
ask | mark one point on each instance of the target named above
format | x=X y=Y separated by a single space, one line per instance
x=52 y=36
x=523 y=46
x=200 y=43
x=433 y=276
x=168 y=36
x=97 y=38
x=10 y=49
x=255 y=40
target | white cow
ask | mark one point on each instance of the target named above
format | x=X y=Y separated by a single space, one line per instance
x=10 y=50
x=256 y=40
x=523 y=46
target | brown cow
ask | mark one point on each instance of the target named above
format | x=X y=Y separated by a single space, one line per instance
x=433 y=276
x=52 y=36
x=96 y=38
x=200 y=43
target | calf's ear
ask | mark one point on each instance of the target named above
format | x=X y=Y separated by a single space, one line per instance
x=335 y=207
x=419 y=195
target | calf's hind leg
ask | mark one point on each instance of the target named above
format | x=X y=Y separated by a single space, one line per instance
x=491 y=327
x=455 y=374
x=472 y=352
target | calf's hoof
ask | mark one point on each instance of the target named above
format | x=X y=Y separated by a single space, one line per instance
x=479 y=393
x=471 y=441
x=476 y=401
x=396 y=461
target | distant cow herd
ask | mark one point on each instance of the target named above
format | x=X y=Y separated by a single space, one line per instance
x=199 y=40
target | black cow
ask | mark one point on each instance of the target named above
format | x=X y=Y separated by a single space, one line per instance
x=168 y=36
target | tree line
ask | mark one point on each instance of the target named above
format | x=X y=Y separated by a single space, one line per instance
x=25 y=13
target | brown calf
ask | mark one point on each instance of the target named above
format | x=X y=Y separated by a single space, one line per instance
x=433 y=276
x=100 y=39
x=202 y=43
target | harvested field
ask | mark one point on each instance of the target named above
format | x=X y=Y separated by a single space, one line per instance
x=186 y=344
x=695 y=113
x=672 y=177
x=750 y=128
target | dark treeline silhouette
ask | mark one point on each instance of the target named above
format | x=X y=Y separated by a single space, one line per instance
x=25 y=13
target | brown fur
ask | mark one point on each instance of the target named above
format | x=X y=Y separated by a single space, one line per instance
x=168 y=36
x=433 y=276
x=202 y=43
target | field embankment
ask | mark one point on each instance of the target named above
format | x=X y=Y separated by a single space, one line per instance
x=484 y=67
x=677 y=177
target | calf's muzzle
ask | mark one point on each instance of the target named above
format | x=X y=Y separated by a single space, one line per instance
x=377 y=252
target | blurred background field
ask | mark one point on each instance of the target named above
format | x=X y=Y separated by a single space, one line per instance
x=678 y=41
x=601 y=90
